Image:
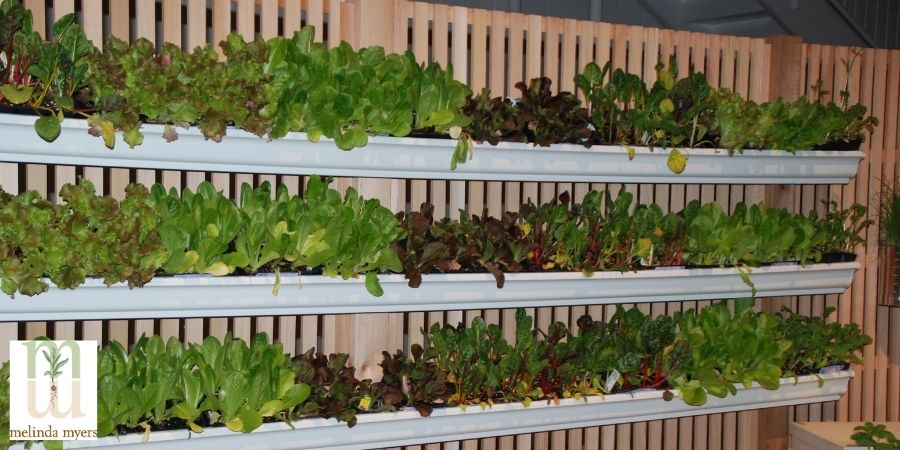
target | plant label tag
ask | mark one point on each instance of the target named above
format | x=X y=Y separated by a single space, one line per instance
x=365 y=403
x=611 y=380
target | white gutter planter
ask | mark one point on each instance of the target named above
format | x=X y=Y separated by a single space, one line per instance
x=391 y=157
x=452 y=424
x=208 y=296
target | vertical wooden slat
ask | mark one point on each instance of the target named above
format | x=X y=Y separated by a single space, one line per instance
x=241 y=327
x=335 y=26
x=530 y=189
x=144 y=326
x=266 y=324
x=569 y=63
x=120 y=20
x=479 y=72
x=440 y=42
x=145 y=27
x=460 y=58
x=457 y=189
x=418 y=189
x=196 y=24
x=171 y=21
x=440 y=52
x=145 y=19
x=292 y=17
x=714 y=437
x=172 y=327
x=268 y=19
x=495 y=202
x=246 y=16
x=221 y=21
x=873 y=86
x=218 y=326
x=38 y=14
x=315 y=16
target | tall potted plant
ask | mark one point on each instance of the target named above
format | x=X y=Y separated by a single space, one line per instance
x=889 y=215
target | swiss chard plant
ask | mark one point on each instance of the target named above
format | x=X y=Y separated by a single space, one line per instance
x=817 y=343
x=48 y=77
x=875 y=437
x=475 y=359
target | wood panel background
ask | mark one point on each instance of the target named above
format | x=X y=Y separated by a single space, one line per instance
x=491 y=49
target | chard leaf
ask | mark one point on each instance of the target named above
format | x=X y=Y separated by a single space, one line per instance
x=16 y=95
x=48 y=128
x=677 y=161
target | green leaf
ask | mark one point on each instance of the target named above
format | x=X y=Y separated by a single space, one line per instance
x=631 y=152
x=271 y=407
x=677 y=161
x=277 y=286
x=64 y=102
x=247 y=421
x=296 y=395
x=61 y=26
x=16 y=95
x=134 y=137
x=666 y=105
x=48 y=128
x=373 y=285
x=99 y=126
x=693 y=394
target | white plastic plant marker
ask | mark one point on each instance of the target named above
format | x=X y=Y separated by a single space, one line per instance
x=391 y=157
x=209 y=296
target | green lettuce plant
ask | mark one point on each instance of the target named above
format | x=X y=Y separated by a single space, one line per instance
x=344 y=237
x=131 y=83
x=727 y=348
x=229 y=382
x=197 y=230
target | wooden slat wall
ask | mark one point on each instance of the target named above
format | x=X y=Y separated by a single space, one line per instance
x=491 y=49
